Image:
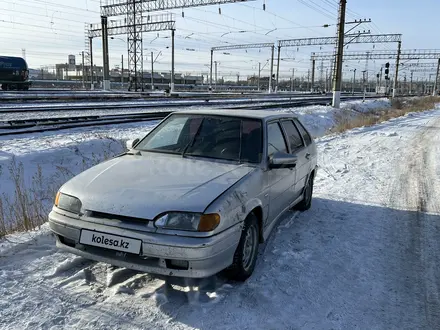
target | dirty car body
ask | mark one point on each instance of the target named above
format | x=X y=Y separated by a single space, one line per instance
x=193 y=197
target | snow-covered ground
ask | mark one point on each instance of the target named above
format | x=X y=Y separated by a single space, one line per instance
x=365 y=256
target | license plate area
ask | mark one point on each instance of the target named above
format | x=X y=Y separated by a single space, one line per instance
x=110 y=241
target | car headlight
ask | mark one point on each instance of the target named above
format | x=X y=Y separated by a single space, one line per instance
x=68 y=203
x=188 y=221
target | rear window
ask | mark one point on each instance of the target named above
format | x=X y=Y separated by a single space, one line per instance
x=307 y=138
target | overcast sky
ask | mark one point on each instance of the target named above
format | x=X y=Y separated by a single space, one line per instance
x=51 y=30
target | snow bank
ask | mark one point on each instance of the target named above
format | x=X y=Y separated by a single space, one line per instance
x=319 y=119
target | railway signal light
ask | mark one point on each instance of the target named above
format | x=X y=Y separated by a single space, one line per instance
x=387 y=71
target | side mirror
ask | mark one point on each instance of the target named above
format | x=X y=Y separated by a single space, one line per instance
x=131 y=143
x=282 y=160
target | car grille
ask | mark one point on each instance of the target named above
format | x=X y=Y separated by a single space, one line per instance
x=102 y=215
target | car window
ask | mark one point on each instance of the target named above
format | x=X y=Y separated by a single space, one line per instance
x=303 y=132
x=293 y=135
x=169 y=135
x=220 y=137
x=275 y=139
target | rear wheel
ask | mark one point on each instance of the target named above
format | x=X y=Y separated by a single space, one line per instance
x=306 y=203
x=245 y=256
x=4 y=87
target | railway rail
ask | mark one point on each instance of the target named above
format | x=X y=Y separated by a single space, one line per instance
x=34 y=125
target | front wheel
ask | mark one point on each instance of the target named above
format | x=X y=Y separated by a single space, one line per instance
x=306 y=203
x=245 y=256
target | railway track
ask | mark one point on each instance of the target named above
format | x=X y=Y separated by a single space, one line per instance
x=35 y=125
x=150 y=104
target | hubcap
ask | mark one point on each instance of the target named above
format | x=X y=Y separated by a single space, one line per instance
x=249 y=247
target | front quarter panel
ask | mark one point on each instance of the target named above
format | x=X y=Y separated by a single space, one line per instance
x=238 y=201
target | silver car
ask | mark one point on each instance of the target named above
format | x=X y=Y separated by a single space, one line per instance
x=195 y=196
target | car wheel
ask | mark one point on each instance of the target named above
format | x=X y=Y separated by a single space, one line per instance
x=306 y=203
x=245 y=256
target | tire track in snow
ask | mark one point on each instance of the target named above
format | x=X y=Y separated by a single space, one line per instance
x=415 y=190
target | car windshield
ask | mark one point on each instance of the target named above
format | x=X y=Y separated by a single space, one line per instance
x=218 y=137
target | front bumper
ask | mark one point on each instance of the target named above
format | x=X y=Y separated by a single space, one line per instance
x=204 y=256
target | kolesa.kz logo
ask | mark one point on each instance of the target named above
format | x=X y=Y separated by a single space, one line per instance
x=111 y=242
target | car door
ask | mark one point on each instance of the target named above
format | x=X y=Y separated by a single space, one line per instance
x=279 y=180
x=297 y=147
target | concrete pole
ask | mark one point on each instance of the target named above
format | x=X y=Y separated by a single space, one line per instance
x=278 y=68
x=380 y=78
x=152 y=72
x=271 y=69
x=83 y=71
x=210 y=76
x=308 y=79
x=399 y=47
x=434 y=92
x=259 y=74
x=292 y=82
x=354 y=82
x=106 y=68
x=172 y=61
x=122 y=70
x=365 y=85
x=92 y=86
x=312 y=86
x=377 y=83
x=337 y=79
x=215 y=74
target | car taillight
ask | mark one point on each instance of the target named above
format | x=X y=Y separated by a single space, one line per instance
x=25 y=74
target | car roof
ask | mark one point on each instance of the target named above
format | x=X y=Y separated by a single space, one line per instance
x=256 y=114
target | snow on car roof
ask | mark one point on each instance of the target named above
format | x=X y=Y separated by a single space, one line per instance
x=259 y=114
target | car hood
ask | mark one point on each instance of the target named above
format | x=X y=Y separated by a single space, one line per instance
x=144 y=186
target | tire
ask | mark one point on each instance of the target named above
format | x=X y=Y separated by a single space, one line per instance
x=306 y=202
x=245 y=256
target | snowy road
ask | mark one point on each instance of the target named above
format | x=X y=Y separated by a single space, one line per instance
x=366 y=256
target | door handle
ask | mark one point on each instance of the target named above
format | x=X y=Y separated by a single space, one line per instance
x=308 y=155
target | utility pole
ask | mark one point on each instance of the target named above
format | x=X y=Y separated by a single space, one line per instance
x=215 y=74
x=365 y=85
x=172 y=61
x=210 y=75
x=326 y=80
x=312 y=86
x=106 y=74
x=259 y=73
x=278 y=68
x=92 y=85
x=308 y=79
x=337 y=79
x=292 y=82
x=152 y=72
x=83 y=72
x=271 y=69
x=377 y=83
x=434 y=92
x=380 y=78
x=122 y=70
x=399 y=47
x=411 y=82
x=354 y=82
